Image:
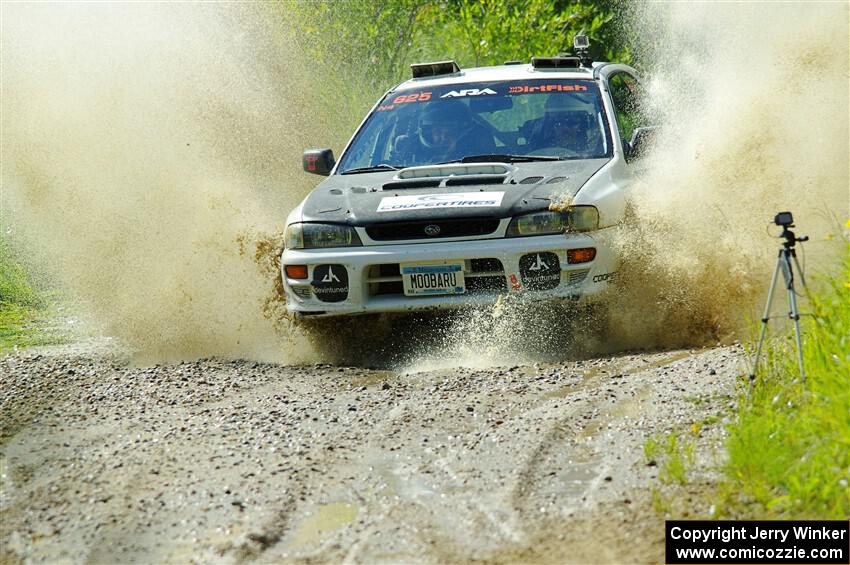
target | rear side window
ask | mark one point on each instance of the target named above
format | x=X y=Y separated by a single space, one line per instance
x=625 y=91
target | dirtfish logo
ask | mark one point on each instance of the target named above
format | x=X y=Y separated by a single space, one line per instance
x=467 y=92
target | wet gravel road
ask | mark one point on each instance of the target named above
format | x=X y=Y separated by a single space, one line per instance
x=220 y=461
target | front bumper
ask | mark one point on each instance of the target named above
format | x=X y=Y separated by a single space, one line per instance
x=371 y=281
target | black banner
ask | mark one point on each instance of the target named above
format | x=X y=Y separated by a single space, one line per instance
x=778 y=541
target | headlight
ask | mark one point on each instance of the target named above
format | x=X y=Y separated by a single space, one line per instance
x=574 y=219
x=315 y=236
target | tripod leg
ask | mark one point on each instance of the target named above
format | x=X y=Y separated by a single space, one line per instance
x=799 y=270
x=794 y=314
x=764 y=320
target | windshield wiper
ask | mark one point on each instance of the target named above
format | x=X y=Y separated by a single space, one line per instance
x=503 y=158
x=372 y=169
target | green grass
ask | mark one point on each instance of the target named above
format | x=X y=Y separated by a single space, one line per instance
x=24 y=327
x=16 y=287
x=674 y=456
x=25 y=310
x=789 y=450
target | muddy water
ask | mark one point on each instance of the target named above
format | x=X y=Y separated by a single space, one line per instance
x=753 y=98
x=144 y=147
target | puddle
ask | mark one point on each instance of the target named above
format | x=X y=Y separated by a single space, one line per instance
x=629 y=408
x=373 y=378
x=575 y=480
x=589 y=377
x=325 y=520
x=592 y=375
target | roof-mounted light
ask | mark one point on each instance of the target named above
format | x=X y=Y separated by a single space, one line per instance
x=422 y=70
x=555 y=62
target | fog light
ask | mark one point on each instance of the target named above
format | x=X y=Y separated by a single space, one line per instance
x=296 y=271
x=581 y=255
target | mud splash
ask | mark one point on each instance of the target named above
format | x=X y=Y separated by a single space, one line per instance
x=143 y=146
x=755 y=122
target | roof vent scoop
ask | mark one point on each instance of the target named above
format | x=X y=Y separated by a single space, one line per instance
x=555 y=62
x=423 y=70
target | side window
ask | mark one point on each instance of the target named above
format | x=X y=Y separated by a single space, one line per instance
x=625 y=91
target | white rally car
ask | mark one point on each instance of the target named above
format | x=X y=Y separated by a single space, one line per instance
x=463 y=185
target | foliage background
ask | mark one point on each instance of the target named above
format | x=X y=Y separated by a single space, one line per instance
x=344 y=37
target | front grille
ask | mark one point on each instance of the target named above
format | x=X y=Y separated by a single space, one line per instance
x=385 y=279
x=485 y=265
x=481 y=275
x=463 y=227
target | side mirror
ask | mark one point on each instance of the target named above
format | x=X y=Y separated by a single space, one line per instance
x=642 y=139
x=318 y=161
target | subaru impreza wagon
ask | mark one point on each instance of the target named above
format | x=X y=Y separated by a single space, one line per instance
x=463 y=185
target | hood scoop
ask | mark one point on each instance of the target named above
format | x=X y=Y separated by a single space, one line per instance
x=451 y=174
x=455 y=169
x=467 y=181
x=413 y=183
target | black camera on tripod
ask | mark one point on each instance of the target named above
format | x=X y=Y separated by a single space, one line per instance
x=784 y=219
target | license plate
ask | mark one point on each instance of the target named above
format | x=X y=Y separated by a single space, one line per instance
x=429 y=279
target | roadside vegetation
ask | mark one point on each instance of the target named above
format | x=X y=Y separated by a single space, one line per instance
x=341 y=39
x=675 y=454
x=389 y=36
x=788 y=444
x=25 y=308
x=789 y=450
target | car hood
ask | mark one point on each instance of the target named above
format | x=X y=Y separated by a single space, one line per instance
x=369 y=198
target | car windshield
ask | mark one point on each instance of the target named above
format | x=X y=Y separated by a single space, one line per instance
x=507 y=120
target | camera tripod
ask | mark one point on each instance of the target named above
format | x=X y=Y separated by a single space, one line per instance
x=784 y=264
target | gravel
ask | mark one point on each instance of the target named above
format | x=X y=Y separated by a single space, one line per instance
x=227 y=461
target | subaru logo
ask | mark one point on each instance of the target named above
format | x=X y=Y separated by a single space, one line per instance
x=432 y=229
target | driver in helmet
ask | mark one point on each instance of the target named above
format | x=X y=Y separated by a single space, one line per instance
x=447 y=132
x=441 y=127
